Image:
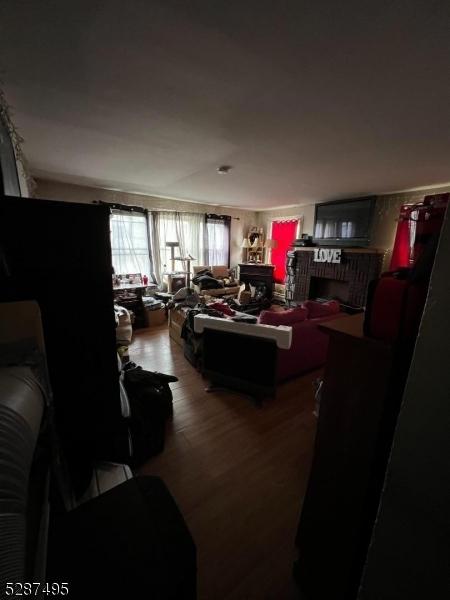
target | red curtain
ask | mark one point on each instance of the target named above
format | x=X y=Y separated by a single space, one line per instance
x=417 y=223
x=401 y=252
x=284 y=233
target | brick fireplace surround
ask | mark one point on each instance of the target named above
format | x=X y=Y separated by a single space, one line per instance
x=347 y=280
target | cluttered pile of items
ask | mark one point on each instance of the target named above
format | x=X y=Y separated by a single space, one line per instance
x=146 y=311
x=186 y=304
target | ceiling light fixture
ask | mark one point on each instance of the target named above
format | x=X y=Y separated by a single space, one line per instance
x=224 y=169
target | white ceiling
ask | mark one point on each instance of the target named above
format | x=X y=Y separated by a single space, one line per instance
x=306 y=100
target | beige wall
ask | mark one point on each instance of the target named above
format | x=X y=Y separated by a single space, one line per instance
x=53 y=190
x=383 y=229
x=384 y=221
x=306 y=211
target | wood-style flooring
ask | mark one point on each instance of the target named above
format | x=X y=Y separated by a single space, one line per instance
x=237 y=472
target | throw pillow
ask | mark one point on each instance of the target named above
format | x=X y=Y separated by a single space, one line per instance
x=321 y=309
x=220 y=271
x=284 y=317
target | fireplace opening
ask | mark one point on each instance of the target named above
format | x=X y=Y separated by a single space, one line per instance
x=259 y=290
x=330 y=289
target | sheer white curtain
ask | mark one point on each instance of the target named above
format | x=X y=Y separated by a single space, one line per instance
x=129 y=242
x=191 y=235
x=188 y=229
x=218 y=241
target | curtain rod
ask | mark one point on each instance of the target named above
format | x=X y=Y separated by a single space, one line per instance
x=189 y=212
x=132 y=208
x=117 y=206
x=216 y=216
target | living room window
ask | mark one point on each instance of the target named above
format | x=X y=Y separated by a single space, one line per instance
x=186 y=229
x=217 y=250
x=129 y=242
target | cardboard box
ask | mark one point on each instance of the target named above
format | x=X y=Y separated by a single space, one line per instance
x=156 y=317
x=176 y=321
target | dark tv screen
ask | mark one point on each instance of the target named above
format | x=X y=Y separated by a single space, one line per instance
x=344 y=223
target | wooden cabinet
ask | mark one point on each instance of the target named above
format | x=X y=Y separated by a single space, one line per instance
x=362 y=390
x=60 y=256
x=257 y=274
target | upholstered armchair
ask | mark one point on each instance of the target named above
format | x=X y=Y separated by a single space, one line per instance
x=222 y=274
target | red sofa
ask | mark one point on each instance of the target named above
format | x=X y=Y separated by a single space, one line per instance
x=255 y=358
x=309 y=345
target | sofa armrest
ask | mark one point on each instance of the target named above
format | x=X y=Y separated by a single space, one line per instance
x=282 y=335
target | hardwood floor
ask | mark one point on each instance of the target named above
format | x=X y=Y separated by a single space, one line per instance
x=237 y=472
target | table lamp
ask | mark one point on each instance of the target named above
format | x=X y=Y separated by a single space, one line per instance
x=269 y=244
x=246 y=244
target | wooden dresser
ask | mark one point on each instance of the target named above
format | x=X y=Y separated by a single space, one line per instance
x=362 y=391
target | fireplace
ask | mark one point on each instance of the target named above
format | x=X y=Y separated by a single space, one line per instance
x=259 y=276
x=324 y=287
x=346 y=280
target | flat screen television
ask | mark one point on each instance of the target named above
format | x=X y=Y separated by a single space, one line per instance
x=344 y=222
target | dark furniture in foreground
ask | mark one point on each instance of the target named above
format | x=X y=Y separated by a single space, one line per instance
x=362 y=391
x=58 y=247
x=251 y=369
x=125 y=537
x=256 y=358
x=129 y=542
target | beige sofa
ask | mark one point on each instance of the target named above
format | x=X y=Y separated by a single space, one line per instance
x=219 y=272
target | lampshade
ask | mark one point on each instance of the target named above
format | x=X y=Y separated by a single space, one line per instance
x=245 y=243
x=270 y=243
x=172 y=244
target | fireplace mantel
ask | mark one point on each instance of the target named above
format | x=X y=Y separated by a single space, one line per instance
x=343 y=250
x=357 y=268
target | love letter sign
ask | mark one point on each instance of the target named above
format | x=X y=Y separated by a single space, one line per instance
x=327 y=255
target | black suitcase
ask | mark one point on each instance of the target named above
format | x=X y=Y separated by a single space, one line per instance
x=150 y=401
